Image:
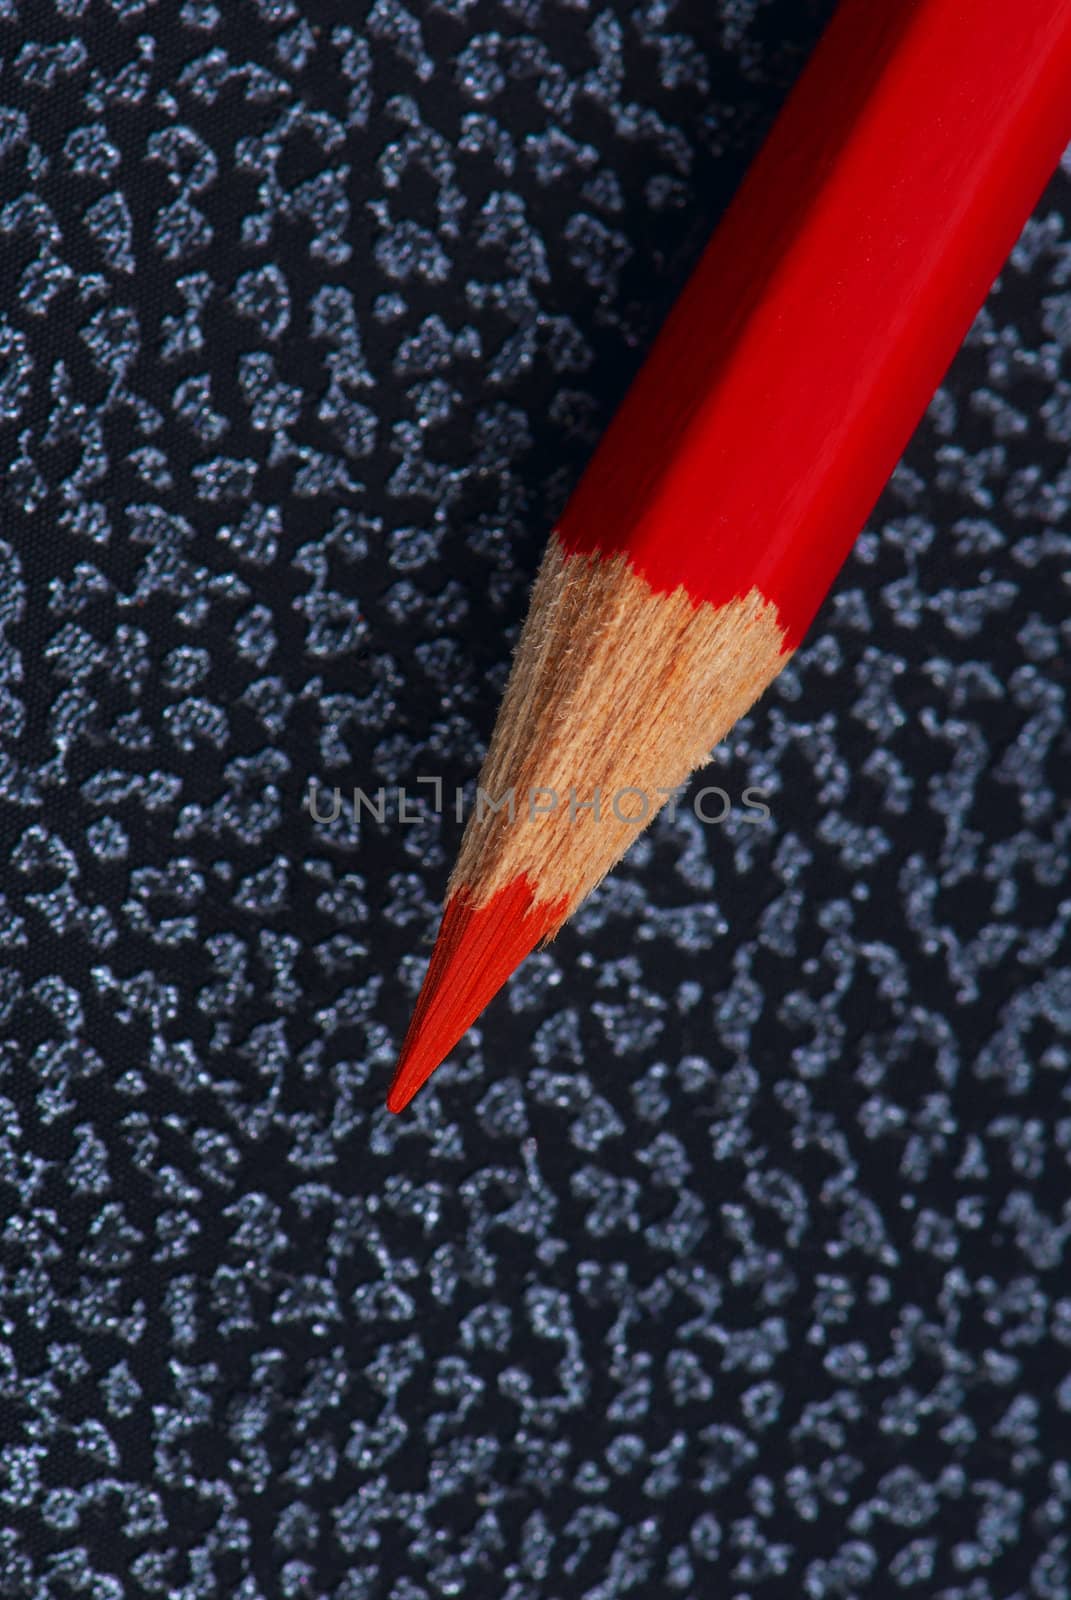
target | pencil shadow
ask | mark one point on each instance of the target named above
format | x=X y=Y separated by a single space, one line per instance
x=569 y=263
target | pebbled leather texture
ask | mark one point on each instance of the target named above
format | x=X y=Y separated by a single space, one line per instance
x=729 y=1256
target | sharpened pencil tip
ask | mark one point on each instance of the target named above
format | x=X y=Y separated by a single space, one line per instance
x=399 y=1097
x=476 y=951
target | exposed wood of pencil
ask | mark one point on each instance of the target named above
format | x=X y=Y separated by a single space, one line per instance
x=751 y=449
x=617 y=692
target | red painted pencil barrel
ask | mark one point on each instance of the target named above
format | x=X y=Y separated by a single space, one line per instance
x=791 y=373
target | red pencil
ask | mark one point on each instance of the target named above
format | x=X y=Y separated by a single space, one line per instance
x=749 y=452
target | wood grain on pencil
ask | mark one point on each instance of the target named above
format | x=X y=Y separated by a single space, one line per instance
x=750 y=450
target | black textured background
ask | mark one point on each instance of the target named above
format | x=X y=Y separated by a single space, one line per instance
x=727 y=1257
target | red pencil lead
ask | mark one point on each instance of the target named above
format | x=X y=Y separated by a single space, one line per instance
x=477 y=949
